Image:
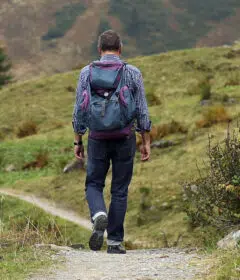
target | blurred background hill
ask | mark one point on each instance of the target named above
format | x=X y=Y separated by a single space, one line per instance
x=51 y=36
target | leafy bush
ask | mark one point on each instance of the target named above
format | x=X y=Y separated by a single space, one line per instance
x=26 y=129
x=213 y=115
x=215 y=198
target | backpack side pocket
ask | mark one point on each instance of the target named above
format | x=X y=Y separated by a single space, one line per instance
x=128 y=104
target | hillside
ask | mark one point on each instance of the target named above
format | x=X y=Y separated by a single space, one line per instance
x=176 y=82
x=55 y=36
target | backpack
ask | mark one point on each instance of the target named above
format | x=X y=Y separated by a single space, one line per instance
x=108 y=107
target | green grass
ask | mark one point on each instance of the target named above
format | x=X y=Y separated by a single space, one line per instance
x=23 y=225
x=226 y=265
x=48 y=102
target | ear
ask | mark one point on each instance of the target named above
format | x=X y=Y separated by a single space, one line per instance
x=99 y=51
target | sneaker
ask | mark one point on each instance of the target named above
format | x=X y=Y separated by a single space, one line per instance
x=97 y=237
x=116 y=249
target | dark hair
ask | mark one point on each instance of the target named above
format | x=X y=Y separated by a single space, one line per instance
x=109 y=41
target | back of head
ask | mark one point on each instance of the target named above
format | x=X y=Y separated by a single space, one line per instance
x=109 y=41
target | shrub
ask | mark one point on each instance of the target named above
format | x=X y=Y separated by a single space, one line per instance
x=233 y=79
x=153 y=99
x=26 y=129
x=160 y=131
x=70 y=88
x=215 y=198
x=232 y=54
x=203 y=88
x=213 y=115
x=225 y=98
x=40 y=161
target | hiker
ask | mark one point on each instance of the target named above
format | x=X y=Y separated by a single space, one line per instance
x=111 y=103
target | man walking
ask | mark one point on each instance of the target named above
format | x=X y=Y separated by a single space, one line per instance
x=111 y=103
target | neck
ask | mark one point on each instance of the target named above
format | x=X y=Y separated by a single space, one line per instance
x=110 y=52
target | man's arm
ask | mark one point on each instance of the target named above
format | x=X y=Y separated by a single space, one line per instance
x=78 y=147
x=79 y=130
x=143 y=121
x=146 y=147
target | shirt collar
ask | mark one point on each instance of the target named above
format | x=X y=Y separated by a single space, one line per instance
x=110 y=57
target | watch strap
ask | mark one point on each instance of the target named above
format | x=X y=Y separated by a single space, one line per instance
x=78 y=143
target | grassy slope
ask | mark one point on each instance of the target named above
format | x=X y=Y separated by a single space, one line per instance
x=23 y=225
x=170 y=77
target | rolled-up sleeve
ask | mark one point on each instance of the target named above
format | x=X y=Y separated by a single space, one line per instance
x=143 y=121
x=81 y=86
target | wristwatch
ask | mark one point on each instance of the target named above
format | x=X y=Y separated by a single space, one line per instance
x=79 y=143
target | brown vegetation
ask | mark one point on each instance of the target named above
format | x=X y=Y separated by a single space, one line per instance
x=40 y=161
x=213 y=115
x=159 y=131
x=26 y=129
x=233 y=79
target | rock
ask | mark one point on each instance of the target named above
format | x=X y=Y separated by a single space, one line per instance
x=74 y=165
x=162 y=144
x=232 y=101
x=166 y=205
x=194 y=188
x=10 y=168
x=77 y=246
x=231 y=241
x=205 y=102
x=53 y=247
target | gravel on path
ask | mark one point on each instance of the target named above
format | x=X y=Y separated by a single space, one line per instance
x=162 y=264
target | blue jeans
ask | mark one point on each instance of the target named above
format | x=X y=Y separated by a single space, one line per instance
x=121 y=154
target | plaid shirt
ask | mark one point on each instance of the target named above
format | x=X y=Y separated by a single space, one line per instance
x=134 y=81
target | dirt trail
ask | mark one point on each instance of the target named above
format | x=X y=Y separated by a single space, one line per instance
x=51 y=208
x=162 y=264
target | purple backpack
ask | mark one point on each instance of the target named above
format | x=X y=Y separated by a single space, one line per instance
x=108 y=108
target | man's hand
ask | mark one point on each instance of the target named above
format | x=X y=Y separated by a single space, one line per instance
x=145 y=148
x=145 y=152
x=79 y=152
